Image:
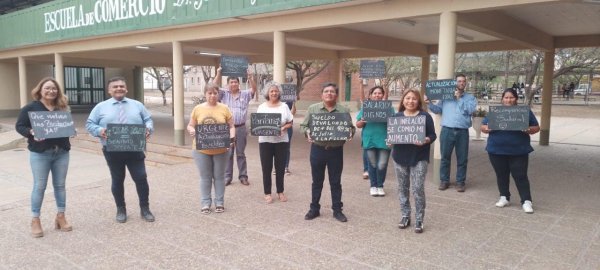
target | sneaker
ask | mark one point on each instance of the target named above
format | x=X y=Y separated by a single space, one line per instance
x=365 y=175
x=287 y=171
x=528 y=207
x=373 y=191
x=380 y=192
x=444 y=185
x=502 y=202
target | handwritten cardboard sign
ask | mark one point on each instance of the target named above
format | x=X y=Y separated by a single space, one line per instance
x=234 y=66
x=55 y=124
x=265 y=124
x=330 y=126
x=372 y=69
x=288 y=92
x=440 y=89
x=406 y=129
x=126 y=138
x=377 y=110
x=508 y=117
x=212 y=136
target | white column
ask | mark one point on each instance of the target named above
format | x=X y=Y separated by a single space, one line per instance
x=59 y=70
x=446 y=53
x=23 y=81
x=178 y=123
x=424 y=74
x=547 y=98
x=279 y=56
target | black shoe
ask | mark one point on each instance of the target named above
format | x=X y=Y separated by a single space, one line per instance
x=444 y=185
x=312 y=214
x=419 y=227
x=227 y=182
x=146 y=214
x=121 y=214
x=339 y=216
x=460 y=187
x=404 y=222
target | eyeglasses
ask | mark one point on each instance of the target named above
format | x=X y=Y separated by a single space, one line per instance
x=50 y=89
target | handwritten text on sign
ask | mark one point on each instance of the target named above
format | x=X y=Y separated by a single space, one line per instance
x=234 y=66
x=376 y=110
x=265 y=124
x=372 y=69
x=56 y=124
x=330 y=126
x=406 y=129
x=508 y=118
x=288 y=92
x=212 y=136
x=125 y=138
x=440 y=89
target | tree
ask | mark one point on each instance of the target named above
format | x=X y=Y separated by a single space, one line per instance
x=306 y=71
x=164 y=77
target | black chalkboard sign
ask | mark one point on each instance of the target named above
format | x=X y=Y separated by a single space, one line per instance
x=55 y=124
x=372 y=69
x=406 y=129
x=265 y=124
x=234 y=66
x=377 y=110
x=212 y=136
x=288 y=92
x=125 y=138
x=330 y=126
x=440 y=89
x=508 y=117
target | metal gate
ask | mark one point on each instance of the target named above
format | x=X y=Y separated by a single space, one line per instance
x=84 y=85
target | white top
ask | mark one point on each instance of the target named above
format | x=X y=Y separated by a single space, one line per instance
x=286 y=116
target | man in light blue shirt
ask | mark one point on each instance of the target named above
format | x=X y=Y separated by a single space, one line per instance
x=456 y=120
x=121 y=110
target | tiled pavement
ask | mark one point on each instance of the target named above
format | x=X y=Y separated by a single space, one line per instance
x=462 y=230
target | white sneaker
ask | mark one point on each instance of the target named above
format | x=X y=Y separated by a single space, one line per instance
x=528 y=207
x=502 y=202
x=373 y=191
x=380 y=191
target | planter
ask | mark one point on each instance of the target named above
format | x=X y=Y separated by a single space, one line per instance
x=477 y=127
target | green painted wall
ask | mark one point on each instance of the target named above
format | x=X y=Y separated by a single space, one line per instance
x=73 y=19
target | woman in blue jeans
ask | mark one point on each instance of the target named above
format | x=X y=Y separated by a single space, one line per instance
x=373 y=142
x=508 y=151
x=46 y=155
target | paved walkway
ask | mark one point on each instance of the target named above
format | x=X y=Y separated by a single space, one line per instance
x=462 y=230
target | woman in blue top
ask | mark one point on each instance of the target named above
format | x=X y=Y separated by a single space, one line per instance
x=373 y=141
x=509 y=154
x=411 y=162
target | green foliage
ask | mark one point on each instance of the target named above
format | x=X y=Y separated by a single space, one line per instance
x=480 y=112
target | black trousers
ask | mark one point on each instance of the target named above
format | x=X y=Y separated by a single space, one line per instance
x=270 y=152
x=506 y=165
x=333 y=161
x=134 y=162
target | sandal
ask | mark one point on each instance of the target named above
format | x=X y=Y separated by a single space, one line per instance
x=205 y=210
x=219 y=209
x=282 y=197
x=268 y=199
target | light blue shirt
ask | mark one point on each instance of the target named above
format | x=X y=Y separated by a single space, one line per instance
x=456 y=113
x=107 y=112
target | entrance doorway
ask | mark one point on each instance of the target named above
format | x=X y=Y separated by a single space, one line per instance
x=84 y=85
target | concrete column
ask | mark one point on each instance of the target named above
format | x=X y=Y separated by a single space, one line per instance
x=179 y=125
x=424 y=75
x=23 y=91
x=138 y=83
x=547 y=98
x=59 y=70
x=446 y=53
x=279 y=56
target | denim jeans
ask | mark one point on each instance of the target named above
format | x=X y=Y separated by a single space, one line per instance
x=378 y=162
x=504 y=166
x=290 y=132
x=365 y=159
x=272 y=153
x=412 y=178
x=450 y=139
x=333 y=161
x=57 y=162
x=134 y=162
x=212 y=171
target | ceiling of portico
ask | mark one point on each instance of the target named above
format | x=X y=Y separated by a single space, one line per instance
x=525 y=24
